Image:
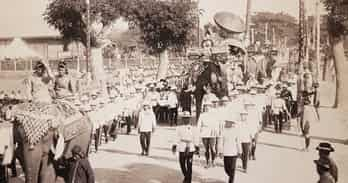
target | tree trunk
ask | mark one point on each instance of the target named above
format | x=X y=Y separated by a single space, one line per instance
x=163 y=65
x=324 y=68
x=97 y=68
x=341 y=68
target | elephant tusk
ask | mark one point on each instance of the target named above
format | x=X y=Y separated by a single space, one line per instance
x=59 y=149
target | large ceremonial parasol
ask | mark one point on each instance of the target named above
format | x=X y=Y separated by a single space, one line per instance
x=229 y=22
x=18 y=49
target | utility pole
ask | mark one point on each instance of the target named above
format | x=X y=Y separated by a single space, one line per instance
x=247 y=32
x=273 y=37
x=198 y=24
x=317 y=12
x=252 y=36
x=303 y=35
x=88 y=51
x=266 y=32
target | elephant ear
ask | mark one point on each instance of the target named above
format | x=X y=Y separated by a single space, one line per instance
x=59 y=148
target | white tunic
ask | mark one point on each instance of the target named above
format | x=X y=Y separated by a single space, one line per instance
x=207 y=125
x=187 y=136
x=147 y=121
x=230 y=145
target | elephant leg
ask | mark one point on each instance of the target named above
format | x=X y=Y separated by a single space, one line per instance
x=105 y=130
x=32 y=162
x=199 y=99
x=47 y=169
x=19 y=155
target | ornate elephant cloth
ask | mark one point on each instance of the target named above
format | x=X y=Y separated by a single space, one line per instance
x=37 y=118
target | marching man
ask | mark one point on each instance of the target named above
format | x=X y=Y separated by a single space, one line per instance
x=230 y=146
x=187 y=144
x=146 y=125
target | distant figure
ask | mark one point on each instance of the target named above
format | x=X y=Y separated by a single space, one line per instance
x=146 y=126
x=63 y=85
x=324 y=150
x=38 y=85
x=2 y=94
x=185 y=99
x=279 y=110
x=323 y=167
x=80 y=168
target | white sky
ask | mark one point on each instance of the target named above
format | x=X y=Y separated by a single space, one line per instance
x=24 y=17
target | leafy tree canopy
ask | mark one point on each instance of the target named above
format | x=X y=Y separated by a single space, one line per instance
x=69 y=17
x=338 y=16
x=163 y=24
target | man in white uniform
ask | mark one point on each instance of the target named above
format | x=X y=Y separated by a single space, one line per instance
x=206 y=125
x=146 y=126
x=187 y=143
x=230 y=146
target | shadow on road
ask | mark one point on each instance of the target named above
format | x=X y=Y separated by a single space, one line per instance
x=145 y=173
x=280 y=146
x=332 y=140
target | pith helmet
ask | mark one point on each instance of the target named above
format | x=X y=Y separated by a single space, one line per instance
x=229 y=22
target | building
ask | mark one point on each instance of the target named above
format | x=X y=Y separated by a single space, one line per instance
x=30 y=26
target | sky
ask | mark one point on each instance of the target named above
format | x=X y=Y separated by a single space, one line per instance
x=24 y=17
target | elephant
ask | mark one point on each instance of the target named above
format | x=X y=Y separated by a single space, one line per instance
x=207 y=73
x=39 y=161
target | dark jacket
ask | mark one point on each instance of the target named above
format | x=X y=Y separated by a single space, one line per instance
x=333 y=168
x=326 y=178
x=81 y=172
x=185 y=100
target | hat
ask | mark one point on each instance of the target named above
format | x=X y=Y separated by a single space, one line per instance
x=234 y=118
x=224 y=99
x=253 y=92
x=146 y=103
x=207 y=103
x=322 y=162
x=242 y=111
x=39 y=65
x=233 y=93
x=62 y=64
x=324 y=146
x=77 y=103
x=234 y=43
x=77 y=150
x=186 y=114
x=248 y=102
x=229 y=22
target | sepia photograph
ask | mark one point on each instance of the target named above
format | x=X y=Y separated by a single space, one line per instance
x=173 y=91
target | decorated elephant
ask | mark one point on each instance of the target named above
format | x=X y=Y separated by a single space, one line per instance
x=45 y=134
x=203 y=74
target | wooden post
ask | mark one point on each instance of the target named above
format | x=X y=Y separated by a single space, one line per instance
x=15 y=64
x=252 y=35
x=317 y=39
x=273 y=37
x=88 y=50
x=266 y=32
x=247 y=32
x=78 y=56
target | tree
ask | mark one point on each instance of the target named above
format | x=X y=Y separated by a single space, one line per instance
x=69 y=17
x=164 y=25
x=337 y=28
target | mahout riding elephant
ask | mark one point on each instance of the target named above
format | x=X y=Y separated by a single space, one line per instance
x=42 y=154
x=208 y=73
